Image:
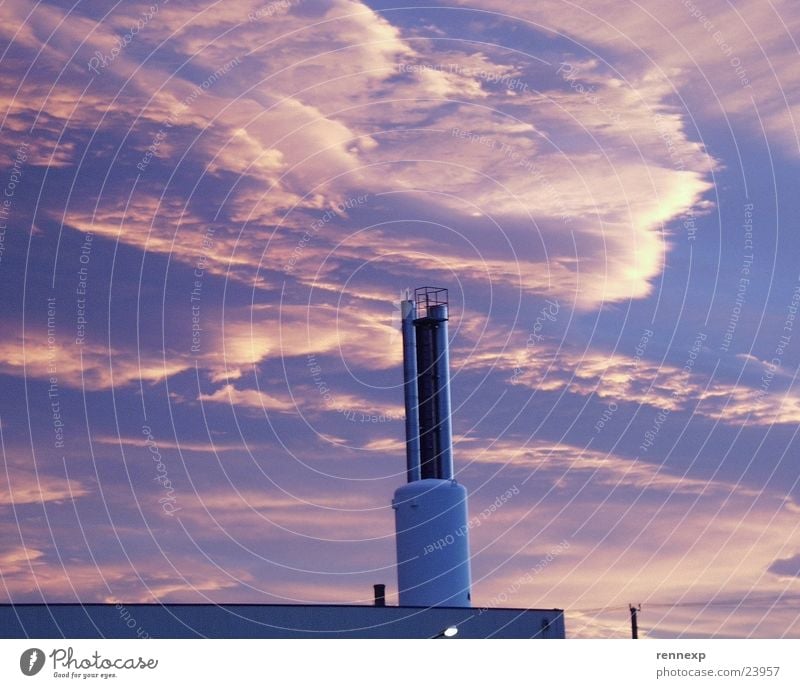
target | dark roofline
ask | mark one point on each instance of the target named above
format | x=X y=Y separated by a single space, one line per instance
x=256 y=604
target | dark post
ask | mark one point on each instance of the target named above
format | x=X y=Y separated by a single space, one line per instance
x=380 y=594
x=634 y=621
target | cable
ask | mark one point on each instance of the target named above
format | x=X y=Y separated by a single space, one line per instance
x=742 y=602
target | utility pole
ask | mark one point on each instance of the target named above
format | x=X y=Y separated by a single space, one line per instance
x=635 y=621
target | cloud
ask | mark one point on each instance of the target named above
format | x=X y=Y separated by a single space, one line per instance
x=596 y=174
x=240 y=142
x=680 y=550
x=625 y=379
x=72 y=581
x=563 y=465
x=91 y=366
x=719 y=58
x=210 y=447
x=267 y=332
x=18 y=562
x=786 y=568
x=247 y=398
x=20 y=485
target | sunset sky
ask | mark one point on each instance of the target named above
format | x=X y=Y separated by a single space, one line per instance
x=209 y=214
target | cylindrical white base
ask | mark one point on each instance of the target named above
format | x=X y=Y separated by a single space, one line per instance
x=432 y=544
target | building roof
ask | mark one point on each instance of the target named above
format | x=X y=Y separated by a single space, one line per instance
x=271 y=621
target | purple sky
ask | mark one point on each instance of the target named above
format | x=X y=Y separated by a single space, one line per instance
x=210 y=211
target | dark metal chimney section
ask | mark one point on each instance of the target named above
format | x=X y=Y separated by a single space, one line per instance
x=409 y=315
x=433 y=383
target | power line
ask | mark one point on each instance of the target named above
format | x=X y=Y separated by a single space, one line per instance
x=762 y=601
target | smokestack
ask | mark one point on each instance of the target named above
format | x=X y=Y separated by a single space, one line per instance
x=433 y=387
x=431 y=509
x=408 y=311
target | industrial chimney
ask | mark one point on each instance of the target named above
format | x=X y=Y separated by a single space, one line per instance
x=431 y=509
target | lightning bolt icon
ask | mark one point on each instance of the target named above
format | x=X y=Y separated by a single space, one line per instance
x=32 y=660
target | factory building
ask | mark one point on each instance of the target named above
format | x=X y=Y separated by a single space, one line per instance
x=433 y=583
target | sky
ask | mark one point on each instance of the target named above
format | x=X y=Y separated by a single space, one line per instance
x=209 y=215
